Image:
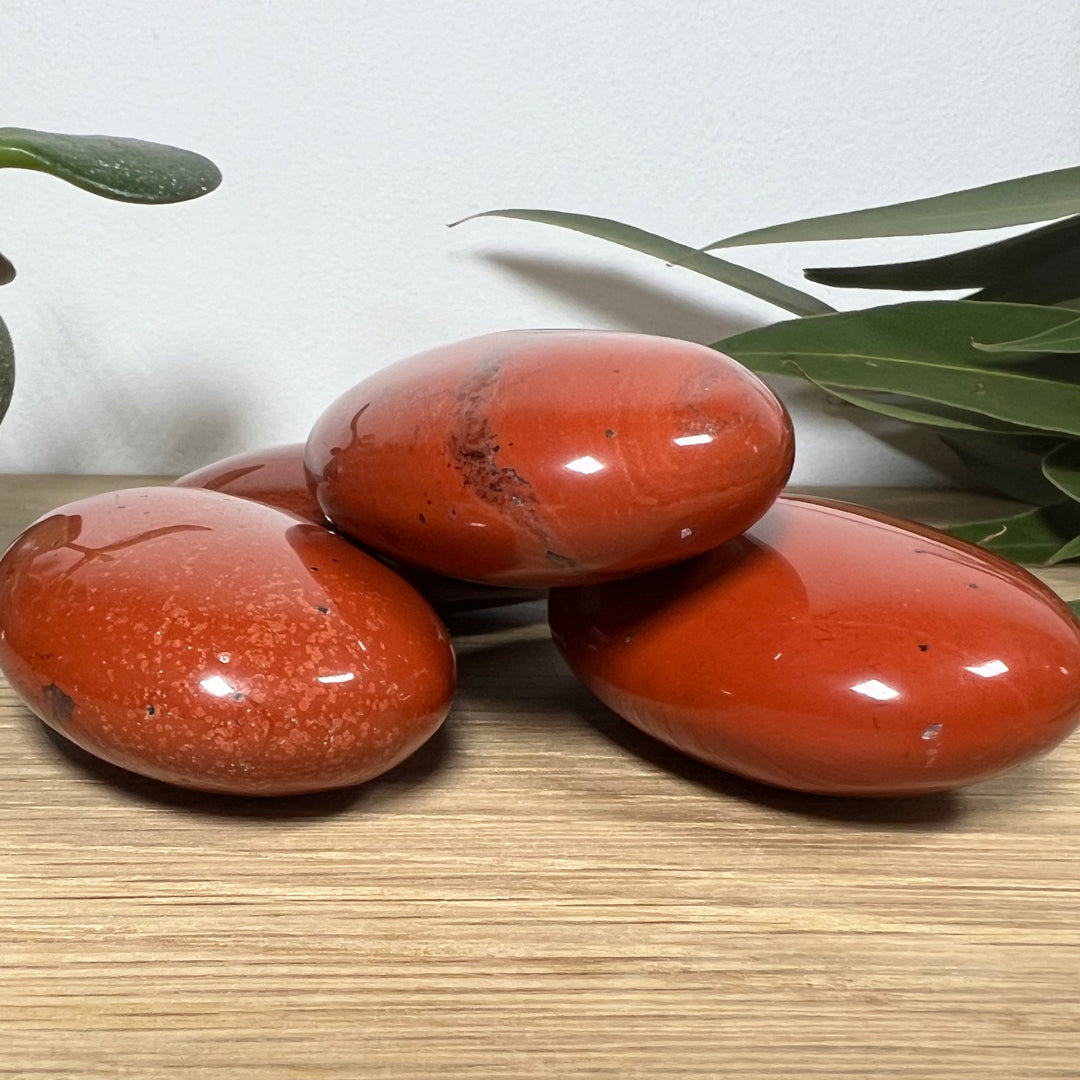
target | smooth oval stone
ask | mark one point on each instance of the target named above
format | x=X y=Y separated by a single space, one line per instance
x=544 y=458
x=835 y=650
x=275 y=476
x=215 y=643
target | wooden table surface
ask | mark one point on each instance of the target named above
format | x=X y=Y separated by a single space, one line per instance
x=539 y=892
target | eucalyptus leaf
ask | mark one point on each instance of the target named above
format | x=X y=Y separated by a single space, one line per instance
x=1010 y=466
x=739 y=277
x=7 y=369
x=1043 y=265
x=1034 y=536
x=1040 y=197
x=923 y=351
x=1058 y=339
x=129 y=170
x=7 y=271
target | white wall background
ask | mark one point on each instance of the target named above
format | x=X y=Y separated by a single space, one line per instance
x=155 y=339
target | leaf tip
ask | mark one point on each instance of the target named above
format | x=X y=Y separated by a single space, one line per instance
x=473 y=217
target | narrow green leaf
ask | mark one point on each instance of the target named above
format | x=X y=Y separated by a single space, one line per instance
x=920 y=350
x=1040 y=197
x=7 y=369
x=1074 y=607
x=1057 y=339
x=7 y=271
x=1053 y=281
x=913 y=411
x=1030 y=401
x=926 y=330
x=1051 y=252
x=928 y=414
x=739 y=277
x=1067 y=551
x=1008 y=464
x=128 y=170
x=1061 y=466
x=1035 y=536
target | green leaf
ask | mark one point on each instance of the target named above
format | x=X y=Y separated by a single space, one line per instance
x=920 y=350
x=7 y=369
x=1040 y=266
x=7 y=271
x=1055 y=281
x=914 y=411
x=1057 y=339
x=1061 y=466
x=1065 y=552
x=739 y=277
x=1035 y=536
x=1008 y=464
x=1040 y=197
x=128 y=170
x=1074 y=607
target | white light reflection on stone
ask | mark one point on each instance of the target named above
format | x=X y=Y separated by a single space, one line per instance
x=989 y=669
x=216 y=685
x=874 y=688
x=585 y=465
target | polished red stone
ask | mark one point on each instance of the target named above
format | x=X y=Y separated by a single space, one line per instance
x=215 y=643
x=541 y=458
x=834 y=650
x=275 y=476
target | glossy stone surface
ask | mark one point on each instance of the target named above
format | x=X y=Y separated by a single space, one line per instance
x=218 y=644
x=275 y=476
x=834 y=650
x=542 y=458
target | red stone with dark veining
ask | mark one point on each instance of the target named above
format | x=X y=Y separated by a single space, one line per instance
x=541 y=458
x=275 y=476
x=215 y=643
x=834 y=650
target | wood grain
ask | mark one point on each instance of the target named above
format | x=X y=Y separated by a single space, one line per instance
x=540 y=892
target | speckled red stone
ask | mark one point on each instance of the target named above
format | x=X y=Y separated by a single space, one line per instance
x=218 y=644
x=834 y=650
x=542 y=458
x=275 y=476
